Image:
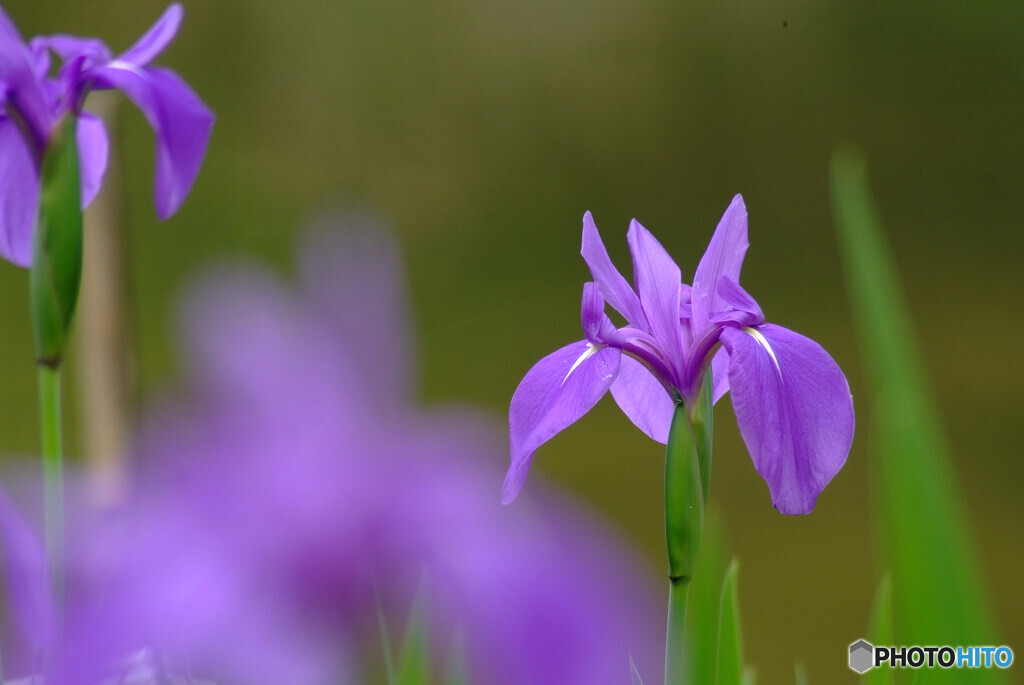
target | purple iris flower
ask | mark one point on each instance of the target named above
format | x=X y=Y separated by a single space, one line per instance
x=792 y=402
x=32 y=102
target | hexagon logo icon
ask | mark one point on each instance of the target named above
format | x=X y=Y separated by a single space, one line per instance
x=861 y=656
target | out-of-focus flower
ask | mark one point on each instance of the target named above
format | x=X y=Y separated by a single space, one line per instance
x=295 y=487
x=792 y=401
x=32 y=102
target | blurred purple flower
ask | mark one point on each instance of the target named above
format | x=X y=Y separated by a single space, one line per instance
x=792 y=401
x=32 y=102
x=295 y=485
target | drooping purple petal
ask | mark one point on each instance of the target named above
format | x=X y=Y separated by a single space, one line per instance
x=92 y=155
x=643 y=399
x=556 y=392
x=724 y=257
x=155 y=39
x=19 y=195
x=794 y=411
x=180 y=120
x=657 y=282
x=613 y=285
x=598 y=328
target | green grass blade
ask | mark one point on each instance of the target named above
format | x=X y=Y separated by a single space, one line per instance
x=414 y=667
x=936 y=585
x=880 y=631
x=801 y=675
x=730 y=642
x=385 y=641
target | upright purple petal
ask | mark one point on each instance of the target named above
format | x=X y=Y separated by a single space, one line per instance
x=92 y=155
x=180 y=120
x=596 y=325
x=794 y=410
x=657 y=282
x=613 y=285
x=19 y=195
x=553 y=395
x=724 y=257
x=155 y=39
x=643 y=399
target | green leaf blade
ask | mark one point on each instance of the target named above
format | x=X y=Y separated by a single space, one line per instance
x=937 y=591
x=730 y=641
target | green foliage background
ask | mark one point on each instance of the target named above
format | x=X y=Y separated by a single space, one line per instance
x=483 y=130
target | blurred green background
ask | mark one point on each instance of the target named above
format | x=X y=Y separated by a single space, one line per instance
x=483 y=130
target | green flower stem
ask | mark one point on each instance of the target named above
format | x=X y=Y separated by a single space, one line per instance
x=53 y=474
x=684 y=521
x=687 y=479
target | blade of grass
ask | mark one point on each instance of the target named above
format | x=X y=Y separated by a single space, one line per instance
x=730 y=642
x=413 y=666
x=936 y=585
x=880 y=632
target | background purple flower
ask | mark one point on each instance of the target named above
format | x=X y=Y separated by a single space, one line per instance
x=32 y=102
x=295 y=484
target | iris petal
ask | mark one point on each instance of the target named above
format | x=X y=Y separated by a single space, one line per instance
x=643 y=399
x=92 y=155
x=724 y=257
x=794 y=411
x=657 y=281
x=19 y=195
x=155 y=39
x=553 y=395
x=181 y=121
x=613 y=285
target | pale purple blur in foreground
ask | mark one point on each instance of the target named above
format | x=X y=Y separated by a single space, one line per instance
x=293 y=486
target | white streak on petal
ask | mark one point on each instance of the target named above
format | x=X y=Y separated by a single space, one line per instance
x=587 y=354
x=756 y=335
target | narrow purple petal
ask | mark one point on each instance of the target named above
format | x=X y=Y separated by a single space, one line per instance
x=69 y=48
x=794 y=410
x=553 y=395
x=719 y=374
x=180 y=120
x=19 y=195
x=613 y=285
x=596 y=325
x=724 y=257
x=657 y=282
x=643 y=399
x=155 y=39
x=92 y=155
x=732 y=295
